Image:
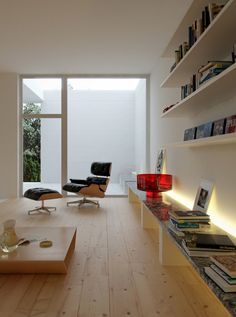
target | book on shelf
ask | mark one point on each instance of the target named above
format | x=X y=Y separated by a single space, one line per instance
x=226 y=263
x=226 y=277
x=234 y=53
x=190 y=226
x=173 y=229
x=189 y=134
x=210 y=241
x=230 y=126
x=206 y=21
x=185 y=48
x=173 y=67
x=210 y=74
x=204 y=252
x=204 y=130
x=219 y=127
x=213 y=65
x=197 y=220
x=224 y=285
x=189 y=214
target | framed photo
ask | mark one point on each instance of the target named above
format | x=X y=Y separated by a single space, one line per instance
x=160 y=160
x=218 y=127
x=204 y=130
x=189 y=134
x=230 y=124
x=203 y=196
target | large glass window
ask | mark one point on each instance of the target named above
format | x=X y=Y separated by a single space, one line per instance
x=43 y=92
x=41 y=125
x=100 y=119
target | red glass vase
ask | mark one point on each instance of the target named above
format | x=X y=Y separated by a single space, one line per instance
x=154 y=184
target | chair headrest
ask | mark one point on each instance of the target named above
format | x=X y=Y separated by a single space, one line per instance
x=101 y=169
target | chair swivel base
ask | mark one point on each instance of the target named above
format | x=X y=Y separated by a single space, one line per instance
x=41 y=209
x=82 y=201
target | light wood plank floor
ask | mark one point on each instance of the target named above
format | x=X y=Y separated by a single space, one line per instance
x=114 y=270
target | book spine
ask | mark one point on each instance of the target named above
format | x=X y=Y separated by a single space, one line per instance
x=214 y=246
x=185 y=224
x=192 y=225
x=190 y=36
x=207 y=16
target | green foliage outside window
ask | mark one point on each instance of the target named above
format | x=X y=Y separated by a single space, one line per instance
x=31 y=144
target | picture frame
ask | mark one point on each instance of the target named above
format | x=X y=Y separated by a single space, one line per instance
x=160 y=160
x=203 y=196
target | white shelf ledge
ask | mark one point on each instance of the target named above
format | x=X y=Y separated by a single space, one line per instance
x=213 y=140
x=219 y=88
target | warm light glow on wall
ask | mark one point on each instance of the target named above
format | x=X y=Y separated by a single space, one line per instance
x=183 y=200
x=222 y=222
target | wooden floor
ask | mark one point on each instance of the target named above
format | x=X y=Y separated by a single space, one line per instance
x=114 y=271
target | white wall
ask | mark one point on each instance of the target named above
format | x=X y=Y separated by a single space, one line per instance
x=140 y=127
x=188 y=165
x=101 y=128
x=8 y=136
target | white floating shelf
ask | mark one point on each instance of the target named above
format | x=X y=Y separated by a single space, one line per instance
x=219 y=88
x=213 y=140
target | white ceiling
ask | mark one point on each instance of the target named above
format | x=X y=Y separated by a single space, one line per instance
x=86 y=36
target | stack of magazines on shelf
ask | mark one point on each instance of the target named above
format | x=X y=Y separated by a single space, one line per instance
x=208 y=244
x=223 y=271
x=211 y=69
x=188 y=221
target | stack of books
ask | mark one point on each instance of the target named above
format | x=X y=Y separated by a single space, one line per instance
x=223 y=272
x=208 y=244
x=211 y=69
x=188 y=221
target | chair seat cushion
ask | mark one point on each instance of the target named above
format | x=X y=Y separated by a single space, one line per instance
x=73 y=188
x=37 y=193
x=79 y=181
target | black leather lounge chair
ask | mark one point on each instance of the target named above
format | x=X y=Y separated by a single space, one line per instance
x=93 y=186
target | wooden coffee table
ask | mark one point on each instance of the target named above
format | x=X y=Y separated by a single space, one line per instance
x=32 y=258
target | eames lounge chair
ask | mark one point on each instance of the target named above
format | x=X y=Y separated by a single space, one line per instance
x=93 y=186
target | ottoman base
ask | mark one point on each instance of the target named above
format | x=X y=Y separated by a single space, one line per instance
x=42 y=208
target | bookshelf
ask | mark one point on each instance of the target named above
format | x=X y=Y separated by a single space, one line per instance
x=170 y=250
x=215 y=43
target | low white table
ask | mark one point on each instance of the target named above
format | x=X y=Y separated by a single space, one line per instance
x=31 y=258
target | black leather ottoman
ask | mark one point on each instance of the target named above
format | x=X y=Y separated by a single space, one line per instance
x=42 y=194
